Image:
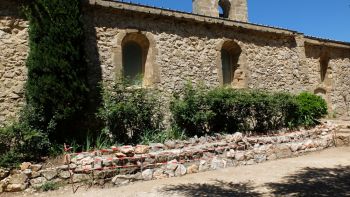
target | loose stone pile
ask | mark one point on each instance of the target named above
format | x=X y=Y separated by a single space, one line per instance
x=122 y=165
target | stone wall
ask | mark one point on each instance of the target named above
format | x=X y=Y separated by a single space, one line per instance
x=127 y=164
x=182 y=48
x=14 y=50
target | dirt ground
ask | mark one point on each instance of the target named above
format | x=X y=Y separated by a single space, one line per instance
x=325 y=173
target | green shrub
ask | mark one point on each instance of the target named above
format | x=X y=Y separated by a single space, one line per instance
x=129 y=112
x=198 y=111
x=56 y=89
x=19 y=142
x=49 y=186
x=311 y=107
x=190 y=111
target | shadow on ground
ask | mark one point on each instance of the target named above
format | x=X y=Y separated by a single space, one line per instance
x=314 y=182
x=215 y=189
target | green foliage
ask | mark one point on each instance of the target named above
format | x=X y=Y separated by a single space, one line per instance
x=49 y=186
x=56 y=87
x=198 y=111
x=190 y=110
x=162 y=136
x=129 y=112
x=311 y=107
x=19 y=142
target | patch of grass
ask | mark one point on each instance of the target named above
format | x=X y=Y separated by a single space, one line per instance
x=49 y=186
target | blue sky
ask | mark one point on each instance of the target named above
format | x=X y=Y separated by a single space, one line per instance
x=322 y=18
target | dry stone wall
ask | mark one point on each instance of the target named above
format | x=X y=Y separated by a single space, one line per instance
x=126 y=164
x=13 y=53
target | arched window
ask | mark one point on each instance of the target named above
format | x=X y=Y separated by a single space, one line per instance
x=132 y=61
x=224 y=8
x=324 y=61
x=230 y=53
x=135 y=48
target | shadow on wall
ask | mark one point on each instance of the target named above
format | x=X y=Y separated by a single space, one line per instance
x=217 y=189
x=315 y=182
x=94 y=74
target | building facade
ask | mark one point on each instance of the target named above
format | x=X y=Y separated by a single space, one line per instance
x=214 y=45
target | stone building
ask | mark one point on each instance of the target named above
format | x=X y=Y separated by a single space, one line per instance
x=168 y=48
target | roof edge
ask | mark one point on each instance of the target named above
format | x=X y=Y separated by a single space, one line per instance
x=213 y=20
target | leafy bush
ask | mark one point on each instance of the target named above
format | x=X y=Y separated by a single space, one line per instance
x=199 y=111
x=311 y=107
x=129 y=112
x=190 y=111
x=20 y=142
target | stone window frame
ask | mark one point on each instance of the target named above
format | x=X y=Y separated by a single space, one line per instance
x=241 y=64
x=151 y=74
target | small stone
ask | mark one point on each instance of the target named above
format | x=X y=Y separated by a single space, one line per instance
x=77 y=178
x=49 y=173
x=170 y=144
x=62 y=167
x=272 y=157
x=36 y=167
x=203 y=166
x=180 y=170
x=86 y=161
x=120 y=155
x=25 y=165
x=27 y=172
x=120 y=180
x=309 y=144
x=283 y=151
x=259 y=158
x=159 y=174
x=230 y=154
x=157 y=146
x=172 y=165
x=147 y=174
x=250 y=162
x=38 y=182
x=237 y=137
x=4 y=173
x=239 y=156
x=128 y=150
x=35 y=174
x=64 y=174
x=295 y=147
x=216 y=163
x=142 y=149
x=249 y=155
x=192 y=169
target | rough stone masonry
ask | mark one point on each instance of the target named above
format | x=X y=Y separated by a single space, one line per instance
x=177 y=47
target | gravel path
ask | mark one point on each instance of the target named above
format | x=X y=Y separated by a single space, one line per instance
x=325 y=173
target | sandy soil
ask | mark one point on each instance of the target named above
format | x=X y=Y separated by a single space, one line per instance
x=325 y=173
